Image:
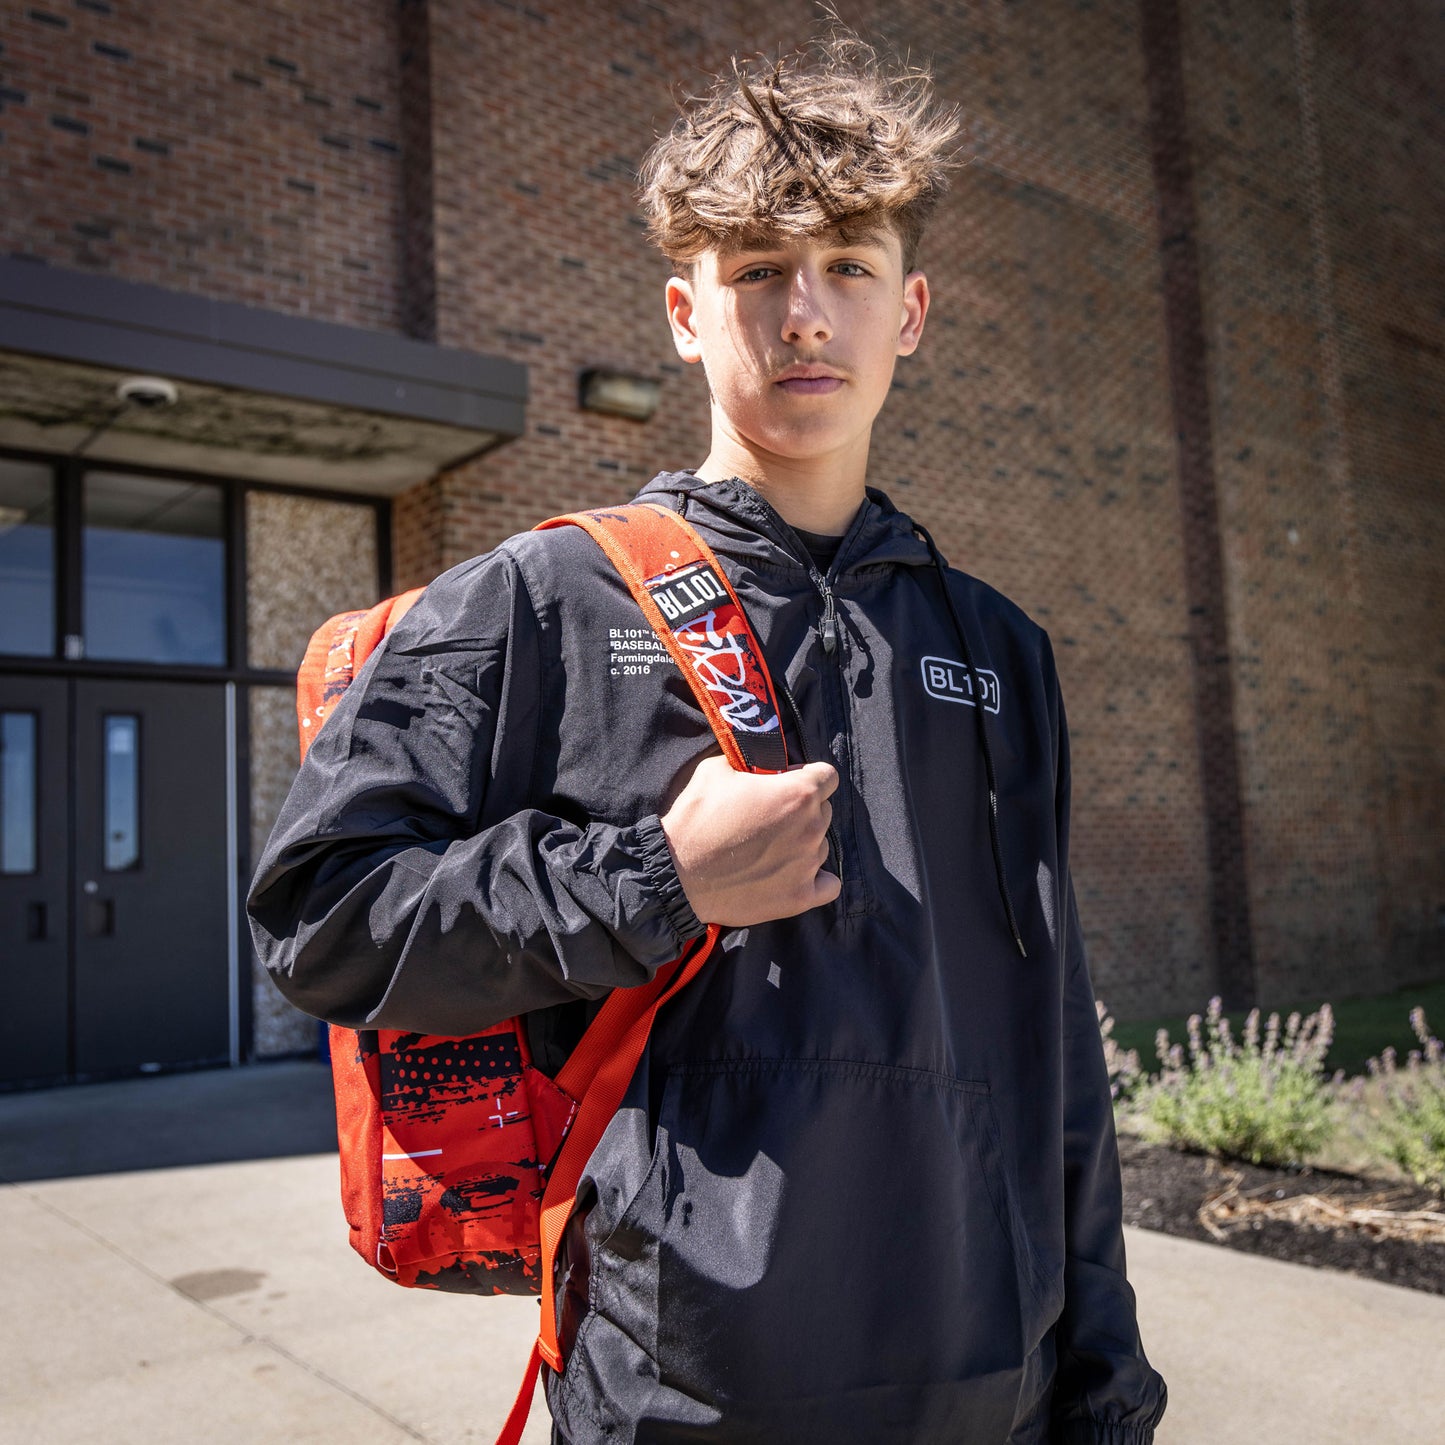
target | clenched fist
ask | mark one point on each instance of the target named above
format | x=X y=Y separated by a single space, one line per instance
x=750 y=847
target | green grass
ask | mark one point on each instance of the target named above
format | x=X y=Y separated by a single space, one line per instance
x=1363 y=1026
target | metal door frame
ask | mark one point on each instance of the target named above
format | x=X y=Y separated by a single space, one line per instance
x=236 y=675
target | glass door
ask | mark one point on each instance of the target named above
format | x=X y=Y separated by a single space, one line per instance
x=152 y=983
x=34 y=879
x=114 y=919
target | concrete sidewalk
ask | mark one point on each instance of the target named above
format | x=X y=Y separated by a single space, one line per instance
x=152 y=1299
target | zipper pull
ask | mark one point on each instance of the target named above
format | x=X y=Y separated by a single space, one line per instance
x=830 y=622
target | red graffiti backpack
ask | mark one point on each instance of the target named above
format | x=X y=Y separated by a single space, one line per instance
x=460 y=1160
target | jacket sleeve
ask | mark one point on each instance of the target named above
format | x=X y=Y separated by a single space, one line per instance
x=1106 y=1392
x=409 y=884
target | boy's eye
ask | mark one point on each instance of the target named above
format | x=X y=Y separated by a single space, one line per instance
x=851 y=268
x=757 y=273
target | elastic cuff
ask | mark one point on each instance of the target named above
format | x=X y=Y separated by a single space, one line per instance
x=662 y=874
x=1101 y=1432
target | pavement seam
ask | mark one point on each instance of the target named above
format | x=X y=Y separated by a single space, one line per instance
x=248 y=1336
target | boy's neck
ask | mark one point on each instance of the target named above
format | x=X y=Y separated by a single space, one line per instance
x=808 y=496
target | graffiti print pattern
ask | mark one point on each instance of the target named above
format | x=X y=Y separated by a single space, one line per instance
x=468 y=1129
x=725 y=664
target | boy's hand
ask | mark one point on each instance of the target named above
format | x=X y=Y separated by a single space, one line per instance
x=751 y=847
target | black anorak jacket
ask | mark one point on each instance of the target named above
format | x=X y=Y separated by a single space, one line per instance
x=865 y=1186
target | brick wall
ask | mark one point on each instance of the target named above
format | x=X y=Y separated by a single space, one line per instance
x=250 y=152
x=1315 y=135
x=1179 y=394
x=1376 y=83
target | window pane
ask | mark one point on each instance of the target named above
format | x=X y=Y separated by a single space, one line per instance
x=27 y=559
x=122 y=792
x=154 y=570
x=18 y=800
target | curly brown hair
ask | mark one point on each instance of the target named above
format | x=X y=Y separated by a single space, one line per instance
x=830 y=138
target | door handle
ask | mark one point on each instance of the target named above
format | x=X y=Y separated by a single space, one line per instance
x=35 y=922
x=100 y=917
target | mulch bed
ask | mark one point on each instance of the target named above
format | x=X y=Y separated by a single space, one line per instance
x=1377 y=1228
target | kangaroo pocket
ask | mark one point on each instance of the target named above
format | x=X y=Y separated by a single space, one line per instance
x=814 y=1231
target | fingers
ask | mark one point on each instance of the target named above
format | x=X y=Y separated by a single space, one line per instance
x=826 y=888
x=823 y=887
x=823 y=776
x=749 y=847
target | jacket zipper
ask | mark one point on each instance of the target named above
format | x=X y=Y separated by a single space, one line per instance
x=829 y=624
x=828 y=631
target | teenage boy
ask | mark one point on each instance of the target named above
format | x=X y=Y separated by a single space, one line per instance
x=864 y=1186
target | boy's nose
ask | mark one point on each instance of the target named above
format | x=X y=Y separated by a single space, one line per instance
x=806 y=318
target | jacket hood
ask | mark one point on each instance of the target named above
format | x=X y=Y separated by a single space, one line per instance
x=879 y=533
x=752 y=529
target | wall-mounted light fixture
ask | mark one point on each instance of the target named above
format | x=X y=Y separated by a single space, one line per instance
x=615 y=394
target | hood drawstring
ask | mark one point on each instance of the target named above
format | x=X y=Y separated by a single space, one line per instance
x=979 y=697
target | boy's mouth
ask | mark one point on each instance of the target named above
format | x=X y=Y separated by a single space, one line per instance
x=804 y=380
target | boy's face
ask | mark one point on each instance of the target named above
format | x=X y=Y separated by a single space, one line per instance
x=799 y=337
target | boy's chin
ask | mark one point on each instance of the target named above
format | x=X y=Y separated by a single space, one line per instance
x=794 y=451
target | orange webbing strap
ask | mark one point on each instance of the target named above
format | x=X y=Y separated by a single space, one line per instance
x=622 y=1032
x=336 y=653
x=522 y=1405
x=684 y=594
x=609 y=1052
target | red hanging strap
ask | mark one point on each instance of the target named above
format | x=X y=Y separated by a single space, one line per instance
x=522 y=1405
x=621 y=1034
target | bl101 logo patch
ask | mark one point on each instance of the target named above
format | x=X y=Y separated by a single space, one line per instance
x=686 y=596
x=949 y=680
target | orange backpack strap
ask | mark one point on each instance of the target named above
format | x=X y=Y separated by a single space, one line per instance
x=336 y=653
x=692 y=607
x=606 y=1057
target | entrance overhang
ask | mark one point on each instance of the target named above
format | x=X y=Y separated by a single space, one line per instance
x=263 y=395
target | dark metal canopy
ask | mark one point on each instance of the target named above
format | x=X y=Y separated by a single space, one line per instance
x=262 y=394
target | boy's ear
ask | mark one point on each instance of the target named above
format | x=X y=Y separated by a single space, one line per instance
x=915 y=311
x=680 y=319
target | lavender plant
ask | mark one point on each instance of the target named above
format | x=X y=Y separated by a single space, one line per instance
x=1264 y=1101
x=1125 y=1074
x=1411 y=1121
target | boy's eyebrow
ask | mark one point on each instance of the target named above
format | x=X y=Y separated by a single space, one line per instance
x=863 y=236
x=834 y=239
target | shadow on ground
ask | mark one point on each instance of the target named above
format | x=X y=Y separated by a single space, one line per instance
x=213 y=1116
